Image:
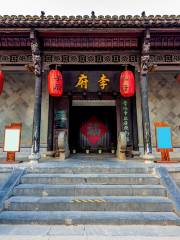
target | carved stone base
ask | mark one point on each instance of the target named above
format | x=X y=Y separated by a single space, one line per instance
x=135 y=153
x=63 y=149
x=33 y=162
x=122 y=156
x=121 y=146
x=148 y=157
x=34 y=156
x=49 y=154
x=60 y=155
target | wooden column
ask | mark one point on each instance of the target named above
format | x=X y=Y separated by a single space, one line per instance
x=37 y=62
x=50 y=124
x=144 y=94
x=134 y=124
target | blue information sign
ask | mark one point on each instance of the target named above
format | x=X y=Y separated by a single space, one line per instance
x=163 y=135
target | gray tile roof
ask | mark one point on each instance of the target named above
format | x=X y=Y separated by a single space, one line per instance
x=90 y=21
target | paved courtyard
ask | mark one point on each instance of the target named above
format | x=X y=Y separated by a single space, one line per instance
x=88 y=232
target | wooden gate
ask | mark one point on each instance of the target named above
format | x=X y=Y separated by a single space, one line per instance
x=93 y=127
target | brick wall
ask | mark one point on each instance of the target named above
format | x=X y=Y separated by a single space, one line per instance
x=164 y=104
x=17 y=103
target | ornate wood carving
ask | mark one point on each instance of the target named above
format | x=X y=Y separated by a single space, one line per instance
x=14 y=42
x=165 y=42
x=89 y=58
x=145 y=56
x=36 y=54
x=102 y=42
x=91 y=42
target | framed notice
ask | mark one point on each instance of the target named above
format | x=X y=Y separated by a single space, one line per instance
x=164 y=140
x=12 y=137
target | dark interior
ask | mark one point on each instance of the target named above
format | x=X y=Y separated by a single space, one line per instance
x=101 y=124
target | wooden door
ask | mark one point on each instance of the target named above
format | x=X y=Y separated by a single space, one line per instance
x=93 y=127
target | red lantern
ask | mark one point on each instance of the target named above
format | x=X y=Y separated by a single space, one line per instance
x=55 y=83
x=1 y=81
x=127 y=84
x=178 y=77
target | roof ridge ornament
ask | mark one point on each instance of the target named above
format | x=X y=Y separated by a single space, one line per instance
x=93 y=15
x=143 y=14
x=42 y=14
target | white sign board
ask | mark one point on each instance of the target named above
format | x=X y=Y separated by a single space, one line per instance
x=12 y=140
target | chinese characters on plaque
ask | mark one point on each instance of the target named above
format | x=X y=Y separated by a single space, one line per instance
x=83 y=81
x=103 y=81
x=125 y=119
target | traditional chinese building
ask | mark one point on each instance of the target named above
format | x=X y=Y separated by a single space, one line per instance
x=90 y=52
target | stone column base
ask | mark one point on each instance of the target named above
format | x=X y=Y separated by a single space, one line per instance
x=34 y=157
x=148 y=157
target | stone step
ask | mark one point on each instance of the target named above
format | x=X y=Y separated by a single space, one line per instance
x=106 y=203
x=90 y=169
x=90 y=179
x=75 y=217
x=89 y=190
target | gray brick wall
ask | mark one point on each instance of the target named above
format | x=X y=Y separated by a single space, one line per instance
x=17 y=103
x=164 y=104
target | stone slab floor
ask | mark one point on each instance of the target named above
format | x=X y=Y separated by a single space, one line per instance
x=89 y=232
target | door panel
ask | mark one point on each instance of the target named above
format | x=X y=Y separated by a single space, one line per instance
x=93 y=127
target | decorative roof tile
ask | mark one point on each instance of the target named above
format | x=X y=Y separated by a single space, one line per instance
x=90 y=21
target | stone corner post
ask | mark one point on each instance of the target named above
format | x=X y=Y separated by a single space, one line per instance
x=37 y=63
x=144 y=66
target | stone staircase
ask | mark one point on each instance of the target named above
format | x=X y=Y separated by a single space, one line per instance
x=89 y=195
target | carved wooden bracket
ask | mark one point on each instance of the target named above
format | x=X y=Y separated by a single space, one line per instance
x=145 y=56
x=36 y=53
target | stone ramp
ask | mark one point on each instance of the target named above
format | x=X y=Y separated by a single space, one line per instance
x=86 y=194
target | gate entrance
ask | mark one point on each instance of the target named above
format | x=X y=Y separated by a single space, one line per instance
x=93 y=128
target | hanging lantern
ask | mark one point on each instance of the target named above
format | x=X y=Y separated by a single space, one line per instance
x=55 y=83
x=127 y=84
x=178 y=77
x=1 y=81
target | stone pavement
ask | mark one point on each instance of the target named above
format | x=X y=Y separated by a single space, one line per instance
x=89 y=232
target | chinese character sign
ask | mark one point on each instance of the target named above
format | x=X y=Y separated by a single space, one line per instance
x=125 y=118
x=91 y=81
x=103 y=81
x=82 y=81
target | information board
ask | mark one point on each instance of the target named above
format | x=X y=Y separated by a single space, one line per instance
x=12 y=140
x=164 y=140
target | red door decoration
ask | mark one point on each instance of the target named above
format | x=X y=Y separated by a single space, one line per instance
x=1 y=81
x=127 y=84
x=55 y=83
x=93 y=129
